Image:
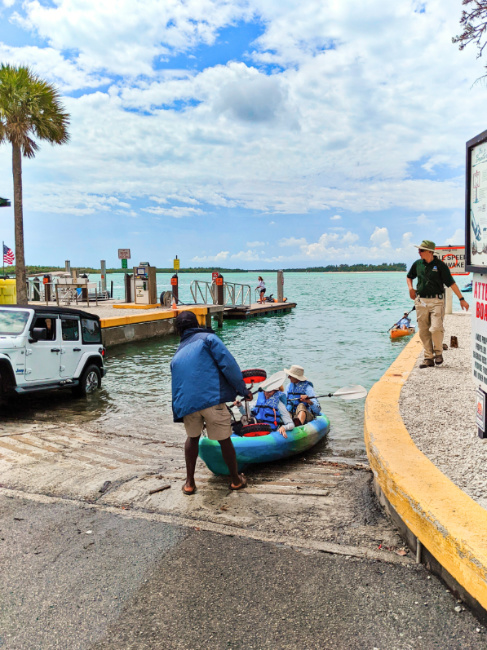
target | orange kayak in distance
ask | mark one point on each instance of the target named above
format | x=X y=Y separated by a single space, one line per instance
x=396 y=334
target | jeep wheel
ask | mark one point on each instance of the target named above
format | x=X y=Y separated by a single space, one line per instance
x=89 y=381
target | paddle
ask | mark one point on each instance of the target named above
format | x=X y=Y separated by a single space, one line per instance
x=398 y=321
x=346 y=393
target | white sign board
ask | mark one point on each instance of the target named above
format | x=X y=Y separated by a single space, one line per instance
x=454 y=258
x=479 y=330
x=124 y=253
x=477 y=210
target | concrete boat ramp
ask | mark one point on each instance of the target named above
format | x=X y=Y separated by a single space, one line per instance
x=316 y=504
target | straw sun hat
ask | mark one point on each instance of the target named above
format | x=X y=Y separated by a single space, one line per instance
x=295 y=371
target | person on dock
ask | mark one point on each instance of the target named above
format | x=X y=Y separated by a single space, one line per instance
x=404 y=323
x=301 y=397
x=270 y=407
x=261 y=287
x=432 y=276
x=204 y=376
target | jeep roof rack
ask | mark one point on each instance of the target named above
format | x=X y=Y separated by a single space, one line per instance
x=53 y=310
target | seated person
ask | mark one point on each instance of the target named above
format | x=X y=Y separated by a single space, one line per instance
x=301 y=397
x=270 y=407
x=404 y=323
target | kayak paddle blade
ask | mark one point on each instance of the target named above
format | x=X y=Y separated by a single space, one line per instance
x=350 y=392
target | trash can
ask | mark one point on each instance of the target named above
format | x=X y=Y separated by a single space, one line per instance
x=8 y=292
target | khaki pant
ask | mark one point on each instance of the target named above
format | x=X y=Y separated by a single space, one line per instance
x=217 y=420
x=430 y=313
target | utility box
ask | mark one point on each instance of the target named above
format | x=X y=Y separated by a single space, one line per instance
x=145 y=284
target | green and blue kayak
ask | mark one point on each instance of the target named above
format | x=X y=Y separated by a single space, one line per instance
x=264 y=449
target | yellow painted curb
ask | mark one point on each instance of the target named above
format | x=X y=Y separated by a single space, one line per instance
x=118 y=321
x=451 y=525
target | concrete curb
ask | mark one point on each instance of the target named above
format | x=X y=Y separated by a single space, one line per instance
x=435 y=514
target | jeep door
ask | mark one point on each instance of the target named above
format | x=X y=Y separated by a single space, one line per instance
x=70 y=345
x=43 y=358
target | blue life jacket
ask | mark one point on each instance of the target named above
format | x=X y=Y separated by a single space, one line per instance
x=294 y=392
x=267 y=410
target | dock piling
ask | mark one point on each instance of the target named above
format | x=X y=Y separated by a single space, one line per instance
x=280 y=286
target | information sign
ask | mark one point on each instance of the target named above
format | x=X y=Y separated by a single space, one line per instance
x=476 y=204
x=481 y=412
x=124 y=254
x=454 y=258
x=479 y=330
x=214 y=275
x=176 y=264
x=124 y=263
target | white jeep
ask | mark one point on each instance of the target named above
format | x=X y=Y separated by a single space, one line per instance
x=45 y=348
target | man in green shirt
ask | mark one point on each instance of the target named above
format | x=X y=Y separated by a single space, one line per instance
x=432 y=275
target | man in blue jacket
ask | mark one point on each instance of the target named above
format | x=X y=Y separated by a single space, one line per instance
x=205 y=376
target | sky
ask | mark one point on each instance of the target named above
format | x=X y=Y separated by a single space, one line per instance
x=237 y=133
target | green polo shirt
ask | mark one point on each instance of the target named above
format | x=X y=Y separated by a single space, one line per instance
x=431 y=277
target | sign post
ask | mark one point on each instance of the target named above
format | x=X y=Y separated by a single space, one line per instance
x=124 y=255
x=454 y=258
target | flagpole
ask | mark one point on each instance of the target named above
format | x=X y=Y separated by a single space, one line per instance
x=3 y=260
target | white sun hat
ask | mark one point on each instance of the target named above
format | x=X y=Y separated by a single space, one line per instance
x=274 y=382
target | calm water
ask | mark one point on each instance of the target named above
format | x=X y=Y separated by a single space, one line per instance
x=338 y=333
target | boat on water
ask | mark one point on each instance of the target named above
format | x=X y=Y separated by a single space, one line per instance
x=398 y=333
x=467 y=287
x=264 y=449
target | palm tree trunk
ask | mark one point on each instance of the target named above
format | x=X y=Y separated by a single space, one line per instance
x=20 y=275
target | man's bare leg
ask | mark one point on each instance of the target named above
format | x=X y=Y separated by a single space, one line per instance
x=230 y=458
x=191 y=456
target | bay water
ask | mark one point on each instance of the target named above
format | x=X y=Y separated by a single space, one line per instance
x=338 y=332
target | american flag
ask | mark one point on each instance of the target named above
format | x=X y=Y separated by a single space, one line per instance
x=8 y=255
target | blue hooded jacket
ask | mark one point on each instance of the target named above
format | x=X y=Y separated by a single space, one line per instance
x=204 y=373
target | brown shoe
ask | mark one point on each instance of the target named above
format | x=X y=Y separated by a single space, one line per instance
x=427 y=363
x=439 y=359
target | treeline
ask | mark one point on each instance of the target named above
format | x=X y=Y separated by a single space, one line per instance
x=330 y=268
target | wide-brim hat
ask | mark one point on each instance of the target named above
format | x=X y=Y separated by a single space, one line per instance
x=296 y=371
x=274 y=382
x=427 y=245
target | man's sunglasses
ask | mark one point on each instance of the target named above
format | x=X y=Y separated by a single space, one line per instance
x=420 y=250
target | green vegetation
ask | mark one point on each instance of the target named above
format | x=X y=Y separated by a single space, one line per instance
x=29 y=108
x=331 y=268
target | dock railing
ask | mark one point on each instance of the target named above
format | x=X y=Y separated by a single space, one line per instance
x=234 y=294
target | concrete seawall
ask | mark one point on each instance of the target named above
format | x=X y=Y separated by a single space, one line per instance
x=445 y=527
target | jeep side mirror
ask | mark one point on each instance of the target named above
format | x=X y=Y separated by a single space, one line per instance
x=38 y=334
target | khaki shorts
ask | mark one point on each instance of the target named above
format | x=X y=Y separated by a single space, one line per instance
x=302 y=407
x=217 y=419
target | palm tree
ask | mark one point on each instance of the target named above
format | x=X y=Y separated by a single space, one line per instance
x=29 y=107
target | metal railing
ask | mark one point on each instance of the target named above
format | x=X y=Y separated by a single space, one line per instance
x=202 y=291
x=234 y=294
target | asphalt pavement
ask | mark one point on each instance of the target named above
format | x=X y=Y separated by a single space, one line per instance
x=79 y=577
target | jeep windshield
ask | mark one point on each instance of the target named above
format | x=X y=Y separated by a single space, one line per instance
x=12 y=321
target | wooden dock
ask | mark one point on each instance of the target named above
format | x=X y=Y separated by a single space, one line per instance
x=257 y=309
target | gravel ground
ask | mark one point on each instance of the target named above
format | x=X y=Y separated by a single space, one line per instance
x=438 y=406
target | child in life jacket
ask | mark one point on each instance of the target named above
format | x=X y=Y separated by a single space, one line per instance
x=270 y=406
x=301 y=397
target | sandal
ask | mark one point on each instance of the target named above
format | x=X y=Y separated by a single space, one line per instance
x=241 y=486
x=189 y=492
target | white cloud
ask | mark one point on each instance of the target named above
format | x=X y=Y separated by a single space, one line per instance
x=176 y=211
x=335 y=217
x=457 y=239
x=219 y=257
x=292 y=241
x=255 y=244
x=247 y=256
x=380 y=238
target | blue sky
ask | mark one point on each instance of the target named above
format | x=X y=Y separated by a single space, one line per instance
x=245 y=134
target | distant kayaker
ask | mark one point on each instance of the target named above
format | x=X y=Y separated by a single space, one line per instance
x=301 y=396
x=205 y=376
x=270 y=407
x=432 y=274
x=261 y=288
x=404 y=323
